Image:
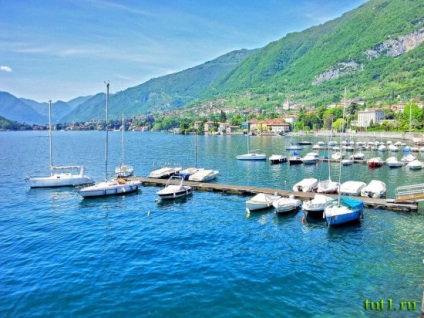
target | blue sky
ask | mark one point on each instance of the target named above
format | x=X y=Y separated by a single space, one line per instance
x=62 y=49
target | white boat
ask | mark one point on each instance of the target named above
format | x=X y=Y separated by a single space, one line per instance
x=123 y=170
x=251 y=154
x=382 y=148
x=374 y=189
x=393 y=162
x=112 y=187
x=393 y=148
x=311 y=158
x=316 y=205
x=165 y=172
x=174 y=191
x=274 y=159
x=408 y=158
x=60 y=176
x=347 y=162
x=295 y=159
x=286 y=205
x=352 y=187
x=337 y=156
x=261 y=201
x=294 y=147
x=327 y=186
x=306 y=185
x=204 y=175
x=358 y=156
x=186 y=173
x=332 y=143
x=415 y=165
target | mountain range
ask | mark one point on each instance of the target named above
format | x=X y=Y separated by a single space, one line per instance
x=375 y=51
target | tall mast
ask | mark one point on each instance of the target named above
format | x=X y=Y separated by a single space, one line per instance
x=122 y=141
x=107 y=132
x=340 y=164
x=195 y=149
x=50 y=137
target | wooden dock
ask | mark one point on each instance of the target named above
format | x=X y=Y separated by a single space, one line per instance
x=249 y=190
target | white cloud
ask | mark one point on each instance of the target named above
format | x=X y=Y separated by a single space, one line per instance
x=5 y=68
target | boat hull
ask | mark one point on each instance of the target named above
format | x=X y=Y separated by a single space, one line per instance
x=176 y=194
x=105 y=189
x=61 y=180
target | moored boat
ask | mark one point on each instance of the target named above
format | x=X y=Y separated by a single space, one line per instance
x=342 y=211
x=286 y=205
x=204 y=175
x=165 y=172
x=174 y=191
x=351 y=188
x=374 y=189
x=375 y=162
x=310 y=158
x=274 y=159
x=393 y=162
x=415 y=165
x=316 y=206
x=261 y=201
x=306 y=185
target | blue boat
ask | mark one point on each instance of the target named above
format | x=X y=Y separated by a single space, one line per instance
x=343 y=210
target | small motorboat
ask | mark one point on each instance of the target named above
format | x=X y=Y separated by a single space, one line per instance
x=347 y=162
x=204 y=175
x=393 y=162
x=358 y=156
x=337 y=156
x=174 y=191
x=295 y=159
x=352 y=187
x=261 y=201
x=316 y=206
x=408 y=158
x=186 y=173
x=311 y=158
x=164 y=172
x=415 y=165
x=374 y=189
x=306 y=185
x=327 y=186
x=274 y=159
x=375 y=162
x=286 y=205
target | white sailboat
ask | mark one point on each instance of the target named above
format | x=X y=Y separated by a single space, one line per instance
x=186 y=173
x=251 y=155
x=109 y=187
x=328 y=186
x=60 y=176
x=123 y=170
x=343 y=210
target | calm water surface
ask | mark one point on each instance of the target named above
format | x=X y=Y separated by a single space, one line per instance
x=201 y=256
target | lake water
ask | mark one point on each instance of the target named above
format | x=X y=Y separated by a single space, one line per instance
x=203 y=256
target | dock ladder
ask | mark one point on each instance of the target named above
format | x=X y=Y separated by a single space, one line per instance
x=413 y=192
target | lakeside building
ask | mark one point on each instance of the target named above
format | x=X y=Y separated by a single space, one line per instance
x=368 y=116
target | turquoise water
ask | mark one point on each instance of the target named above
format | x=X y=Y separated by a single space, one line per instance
x=201 y=256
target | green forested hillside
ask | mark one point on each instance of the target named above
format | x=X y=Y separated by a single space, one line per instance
x=163 y=93
x=291 y=65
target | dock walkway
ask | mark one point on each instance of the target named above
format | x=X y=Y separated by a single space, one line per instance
x=251 y=190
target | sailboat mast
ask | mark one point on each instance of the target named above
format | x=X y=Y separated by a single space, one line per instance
x=50 y=137
x=341 y=157
x=122 y=141
x=195 y=149
x=107 y=132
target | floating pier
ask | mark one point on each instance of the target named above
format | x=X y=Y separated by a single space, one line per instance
x=386 y=204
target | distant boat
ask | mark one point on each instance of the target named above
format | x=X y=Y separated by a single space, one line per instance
x=294 y=147
x=123 y=170
x=286 y=205
x=347 y=162
x=60 y=176
x=109 y=187
x=393 y=162
x=358 y=156
x=374 y=189
x=415 y=165
x=261 y=201
x=311 y=158
x=251 y=155
x=165 y=172
x=306 y=185
x=275 y=159
x=204 y=175
x=174 y=191
x=295 y=159
x=375 y=162
x=186 y=173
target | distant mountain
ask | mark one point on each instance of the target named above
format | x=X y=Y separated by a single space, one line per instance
x=15 y=109
x=59 y=109
x=74 y=103
x=162 y=93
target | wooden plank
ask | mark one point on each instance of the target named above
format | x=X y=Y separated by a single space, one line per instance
x=412 y=197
